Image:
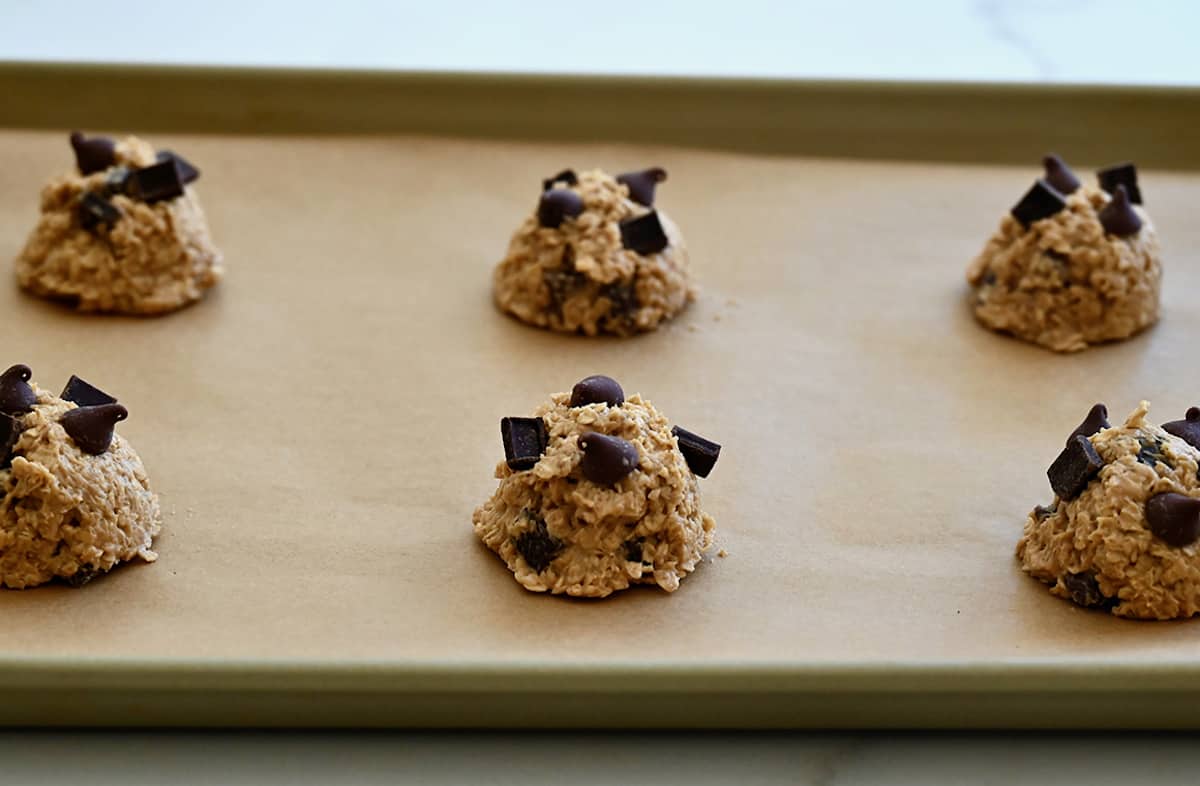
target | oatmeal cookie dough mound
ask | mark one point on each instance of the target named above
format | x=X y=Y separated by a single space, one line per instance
x=74 y=499
x=1072 y=265
x=598 y=492
x=1121 y=533
x=125 y=234
x=596 y=257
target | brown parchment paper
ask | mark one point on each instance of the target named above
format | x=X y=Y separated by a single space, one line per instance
x=321 y=427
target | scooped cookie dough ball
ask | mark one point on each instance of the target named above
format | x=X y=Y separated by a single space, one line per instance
x=1122 y=531
x=598 y=492
x=74 y=498
x=1072 y=265
x=125 y=234
x=596 y=257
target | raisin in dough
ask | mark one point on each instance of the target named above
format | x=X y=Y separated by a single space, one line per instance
x=559 y=532
x=68 y=514
x=1097 y=549
x=1065 y=283
x=579 y=277
x=154 y=259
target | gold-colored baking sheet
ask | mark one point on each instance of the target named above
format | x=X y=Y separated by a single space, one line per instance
x=322 y=426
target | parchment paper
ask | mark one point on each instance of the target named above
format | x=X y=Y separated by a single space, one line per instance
x=321 y=428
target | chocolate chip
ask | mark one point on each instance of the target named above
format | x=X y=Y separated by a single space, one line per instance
x=1085 y=590
x=644 y=234
x=633 y=550
x=94 y=154
x=1187 y=429
x=597 y=389
x=1174 y=518
x=1059 y=175
x=701 y=454
x=641 y=184
x=1074 y=468
x=567 y=176
x=556 y=205
x=84 y=394
x=1150 y=453
x=524 y=441
x=92 y=427
x=536 y=545
x=82 y=576
x=10 y=432
x=1097 y=419
x=607 y=459
x=155 y=183
x=1118 y=217
x=1039 y=202
x=95 y=210
x=187 y=172
x=1121 y=175
x=16 y=396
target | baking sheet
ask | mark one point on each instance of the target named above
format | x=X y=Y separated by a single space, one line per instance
x=321 y=427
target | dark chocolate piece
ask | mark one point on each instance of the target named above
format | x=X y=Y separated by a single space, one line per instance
x=95 y=210
x=644 y=234
x=567 y=176
x=16 y=396
x=1187 y=429
x=82 y=576
x=1059 y=175
x=1118 y=217
x=623 y=297
x=641 y=184
x=1121 y=175
x=10 y=432
x=1150 y=453
x=524 y=441
x=1174 y=518
x=187 y=172
x=1039 y=202
x=556 y=205
x=607 y=459
x=93 y=154
x=92 y=427
x=700 y=453
x=114 y=181
x=633 y=550
x=1097 y=419
x=537 y=546
x=84 y=394
x=1074 y=468
x=597 y=389
x=155 y=183
x=562 y=284
x=1085 y=590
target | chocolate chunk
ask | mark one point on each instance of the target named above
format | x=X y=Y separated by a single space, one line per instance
x=524 y=441
x=1121 y=175
x=94 y=154
x=92 y=427
x=95 y=210
x=1187 y=429
x=10 y=432
x=644 y=234
x=187 y=172
x=597 y=389
x=1085 y=590
x=556 y=205
x=562 y=284
x=1118 y=217
x=633 y=550
x=607 y=459
x=699 y=453
x=84 y=394
x=1074 y=468
x=155 y=183
x=567 y=176
x=16 y=396
x=1059 y=175
x=1150 y=453
x=623 y=297
x=1174 y=518
x=641 y=184
x=536 y=545
x=1039 y=202
x=1097 y=419
x=82 y=576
